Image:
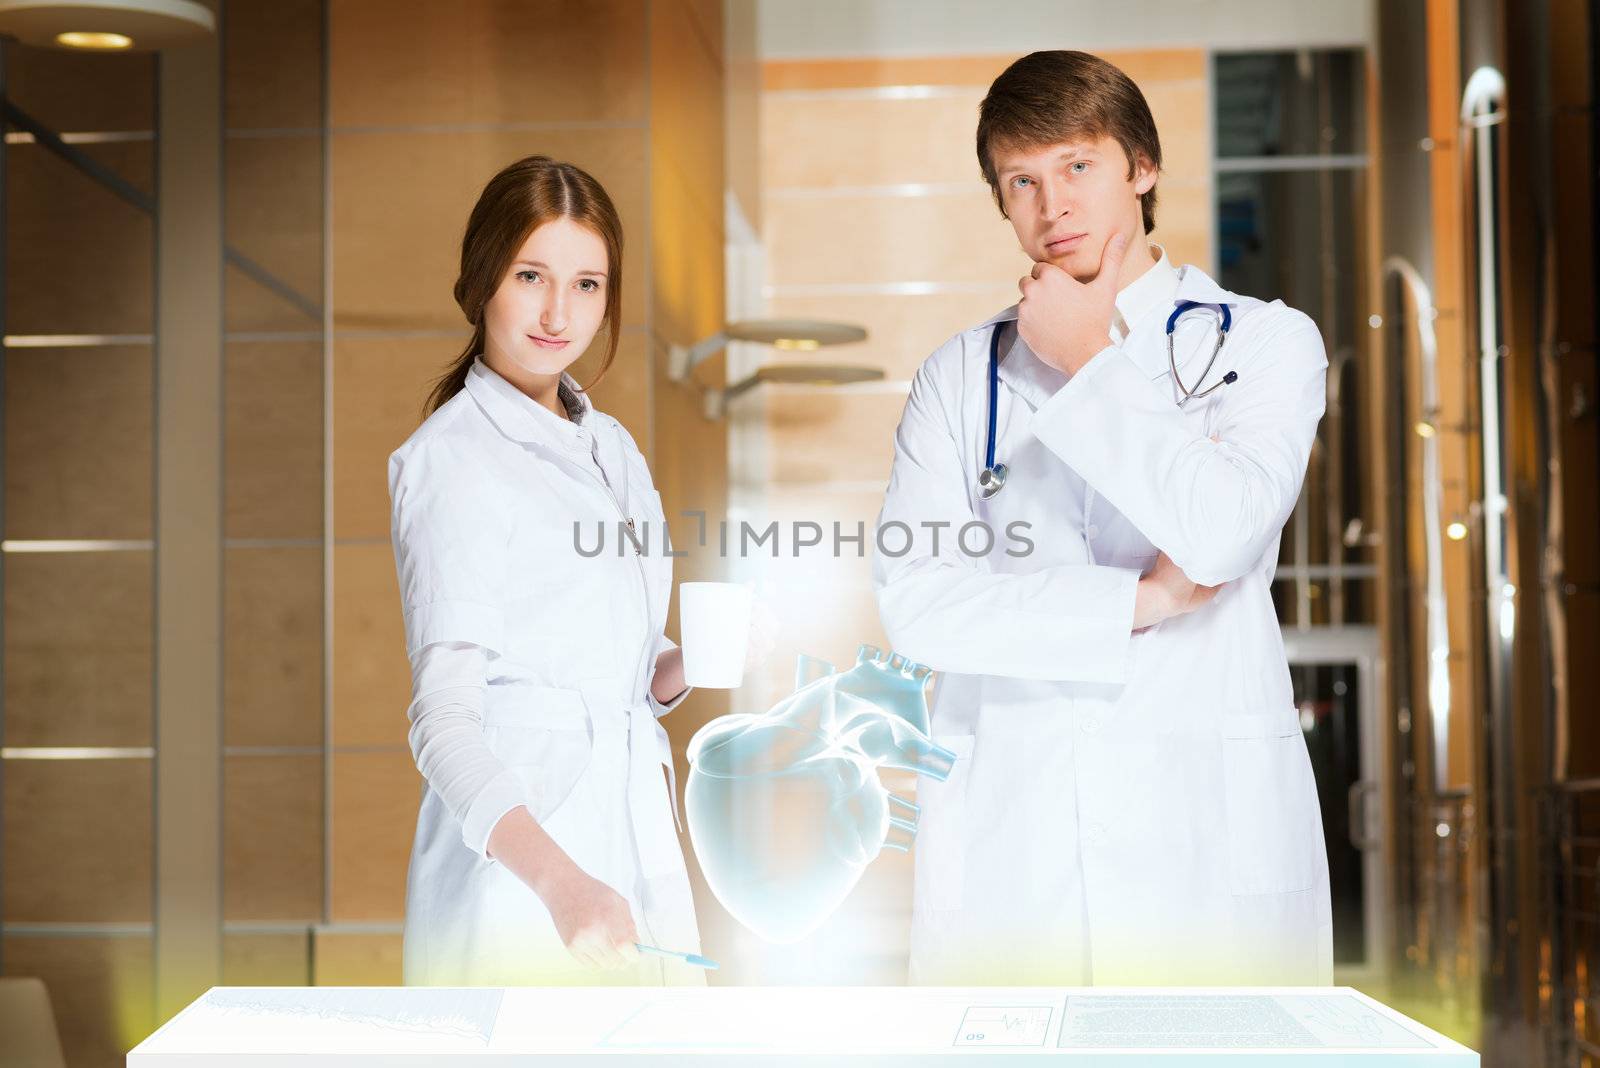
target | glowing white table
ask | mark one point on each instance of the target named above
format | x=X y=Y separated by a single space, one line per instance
x=310 y=1027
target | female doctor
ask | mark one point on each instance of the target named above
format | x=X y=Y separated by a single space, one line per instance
x=1133 y=801
x=546 y=844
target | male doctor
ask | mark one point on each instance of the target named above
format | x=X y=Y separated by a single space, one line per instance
x=1132 y=800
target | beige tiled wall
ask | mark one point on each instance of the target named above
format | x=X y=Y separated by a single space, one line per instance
x=266 y=958
x=78 y=650
x=63 y=225
x=272 y=674
x=272 y=444
x=82 y=418
x=272 y=837
x=374 y=806
x=77 y=841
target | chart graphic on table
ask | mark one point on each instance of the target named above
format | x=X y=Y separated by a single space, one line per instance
x=988 y=1025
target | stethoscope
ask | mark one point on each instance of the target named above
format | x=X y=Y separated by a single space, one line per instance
x=992 y=479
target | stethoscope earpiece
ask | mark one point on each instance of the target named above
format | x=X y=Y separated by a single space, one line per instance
x=1222 y=335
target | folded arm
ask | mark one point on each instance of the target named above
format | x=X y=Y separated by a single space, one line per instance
x=953 y=612
x=1213 y=506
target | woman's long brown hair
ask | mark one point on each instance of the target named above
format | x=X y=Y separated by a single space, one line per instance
x=522 y=197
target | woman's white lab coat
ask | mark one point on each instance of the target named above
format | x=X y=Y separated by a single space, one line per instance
x=485 y=496
x=1126 y=808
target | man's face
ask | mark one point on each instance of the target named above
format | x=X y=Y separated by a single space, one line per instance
x=1066 y=200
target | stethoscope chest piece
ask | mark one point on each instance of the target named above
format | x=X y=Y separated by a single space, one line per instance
x=991 y=480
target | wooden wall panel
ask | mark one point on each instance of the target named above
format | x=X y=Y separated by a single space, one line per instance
x=272 y=837
x=349 y=958
x=272 y=667
x=72 y=92
x=78 y=433
x=61 y=224
x=418 y=63
x=374 y=805
x=273 y=439
x=379 y=386
x=266 y=959
x=371 y=684
x=78 y=648
x=273 y=74
x=272 y=203
x=77 y=841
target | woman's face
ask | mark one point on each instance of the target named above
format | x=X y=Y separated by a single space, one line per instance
x=552 y=300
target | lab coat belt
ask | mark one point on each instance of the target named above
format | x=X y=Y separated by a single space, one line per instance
x=648 y=750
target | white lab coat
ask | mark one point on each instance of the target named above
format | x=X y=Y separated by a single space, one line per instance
x=1125 y=808
x=484 y=499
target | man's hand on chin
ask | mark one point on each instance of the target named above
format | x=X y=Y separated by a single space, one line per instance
x=1065 y=322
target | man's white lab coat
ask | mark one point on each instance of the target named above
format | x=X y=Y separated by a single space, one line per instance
x=1127 y=808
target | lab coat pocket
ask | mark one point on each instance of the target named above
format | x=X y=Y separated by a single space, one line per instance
x=1268 y=794
x=939 y=861
x=549 y=752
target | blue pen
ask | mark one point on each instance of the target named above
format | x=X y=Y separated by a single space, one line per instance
x=687 y=958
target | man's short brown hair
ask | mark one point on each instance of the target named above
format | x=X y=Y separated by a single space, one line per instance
x=1046 y=98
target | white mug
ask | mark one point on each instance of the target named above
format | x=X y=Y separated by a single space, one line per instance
x=714 y=622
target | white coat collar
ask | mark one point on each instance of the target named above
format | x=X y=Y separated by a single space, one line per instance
x=1136 y=299
x=595 y=437
x=1150 y=352
x=524 y=419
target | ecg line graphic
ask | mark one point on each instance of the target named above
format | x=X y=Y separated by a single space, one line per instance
x=1010 y=1025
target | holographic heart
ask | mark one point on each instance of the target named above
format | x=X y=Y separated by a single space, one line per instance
x=786 y=809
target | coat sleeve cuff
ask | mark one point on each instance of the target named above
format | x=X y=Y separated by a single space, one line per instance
x=455 y=620
x=1082 y=381
x=661 y=708
x=1099 y=653
x=502 y=794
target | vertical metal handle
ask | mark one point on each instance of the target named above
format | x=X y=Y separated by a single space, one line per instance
x=1356 y=800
